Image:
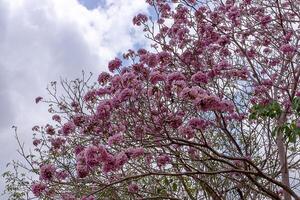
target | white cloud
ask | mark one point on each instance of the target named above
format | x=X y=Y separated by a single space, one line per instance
x=41 y=41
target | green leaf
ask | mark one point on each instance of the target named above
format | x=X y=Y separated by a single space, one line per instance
x=174 y=186
x=164 y=192
x=290 y=131
x=296 y=105
x=274 y=132
x=166 y=181
x=271 y=110
x=252 y=116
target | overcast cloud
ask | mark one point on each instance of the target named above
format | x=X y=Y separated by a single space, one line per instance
x=42 y=40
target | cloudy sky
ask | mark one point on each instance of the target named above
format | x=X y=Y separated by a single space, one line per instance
x=43 y=40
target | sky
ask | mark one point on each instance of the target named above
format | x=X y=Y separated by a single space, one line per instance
x=43 y=40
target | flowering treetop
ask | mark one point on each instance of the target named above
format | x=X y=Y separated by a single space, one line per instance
x=211 y=112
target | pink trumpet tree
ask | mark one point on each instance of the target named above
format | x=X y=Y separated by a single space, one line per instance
x=212 y=111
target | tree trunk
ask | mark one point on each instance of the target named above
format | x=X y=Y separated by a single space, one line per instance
x=282 y=153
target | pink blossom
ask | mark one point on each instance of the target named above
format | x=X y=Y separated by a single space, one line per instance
x=192 y=152
x=88 y=198
x=68 y=196
x=78 y=119
x=38 y=188
x=199 y=77
x=244 y=73
x=186 y=131
x=179 y=84
x=288 y=36
x=75 y=104
x=92 y=156
x=56 y=143
x=152 y=60
x=36 y=142
x=38 y=99
x=260 y=89
x=156 y=76
x=114 y=64
x=223 y=65
x=274 y=62
x=251 y=53
x=154 y=91
x=236 y=116
x=191 y=93
x=233 y=13
x=90 y=95
x=164 y=58
x=82 y=171
x=142 y=51
x=115 y=139
x=267 y=82
x=135 y=152
x=121 y=159
x=102 y=91
x=139 y=131
x=104 y=108
x=226 y=106
x=207 y=102
x=139 y=68
x=133 y=188
x=35 y=128
x=174 y=121
x=192 y=1
x=78 y=149
x=185 y=94
x=162 y=160
x=223 y=41
x=50 y=130
x=287 y=49
x=198 y=123
x=103 y=78
x=61 y=175
x=175 y=76
x=103 y=153
x=68 y=128
x=56 y=118
x=265 y=20
x=128 y=78
x=80 y=158
x=139 y=19
x=165 y=9
x=125 y=94
x=109 y=164
x=125 y=70
x=47 y=172
x=148 y=158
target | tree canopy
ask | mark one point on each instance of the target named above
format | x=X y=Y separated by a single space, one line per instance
x=211 y=111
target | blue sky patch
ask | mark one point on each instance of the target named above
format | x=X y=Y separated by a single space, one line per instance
x=92 y=4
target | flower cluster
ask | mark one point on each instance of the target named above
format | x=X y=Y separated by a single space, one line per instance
x=140 y=19
x=114 y=64
x=47 y=172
